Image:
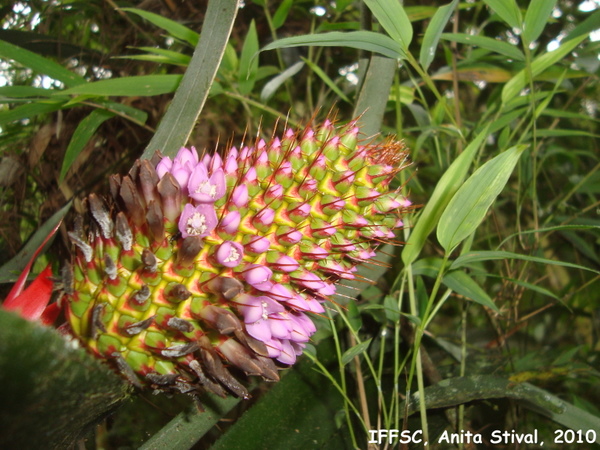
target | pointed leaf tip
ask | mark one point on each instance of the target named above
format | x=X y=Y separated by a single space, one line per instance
x=32 y=302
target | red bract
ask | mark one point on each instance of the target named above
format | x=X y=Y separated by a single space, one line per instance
x=32 y=303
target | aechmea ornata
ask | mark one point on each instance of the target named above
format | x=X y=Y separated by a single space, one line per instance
x=204 y=263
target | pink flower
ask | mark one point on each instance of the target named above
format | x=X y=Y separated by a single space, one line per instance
x=229 y=254
x=197 y=220
x=203 y=188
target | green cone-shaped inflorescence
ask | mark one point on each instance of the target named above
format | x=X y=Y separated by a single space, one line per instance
x=200 y=264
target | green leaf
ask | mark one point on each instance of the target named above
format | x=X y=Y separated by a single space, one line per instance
x=393 y=19
x=23 y=92
x=274 y=84
x=476 y=256
x=591 y=23
x=281 y=14
x=392 y=313
x=180 y=119
x=536 y=19
x=11 y=270
x=456 y=391
x=248 y=61
x=175 y=29
x=328 y=81
x=137 y=86
x=494 y=45
x=51 y=391
x=457 y=280
x=433 y=33
x=441 y=196
x=362 y=40
x=39 y=64
x=161 y=56
x=469 y=206
x=541 y=63
x=83 y=133
x=187 y=428
x=135 y=115
x=463 y=284
x=374 y=93
x=358 y=349
x=509 y=12
x=30 y=110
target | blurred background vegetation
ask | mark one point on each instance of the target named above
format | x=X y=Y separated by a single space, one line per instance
x=60 y=141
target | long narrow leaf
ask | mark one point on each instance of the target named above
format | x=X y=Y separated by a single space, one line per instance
x=23 y=92
x=248 y=61
x=274 y=84
x=393 y=19
x=83 y=133
x=509 y=12
x=442 y=194
x=30 y=110
x=536 y=19
x=476 y=256
x=358 y=349
x=494 y=45
x=541 y=63
x=11 y=270
x=374 y=94
x=362 y=40
x=457 y=280
x=175 y=29
x=40 y=64
x=179 y=120
x=325 y=78
x=469 y=206
x=138 y=86
x=433 y=33
x=463 y=284
x=186 y=429
x=456 y=391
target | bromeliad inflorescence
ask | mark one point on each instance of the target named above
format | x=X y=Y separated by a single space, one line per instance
x=203 y=263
